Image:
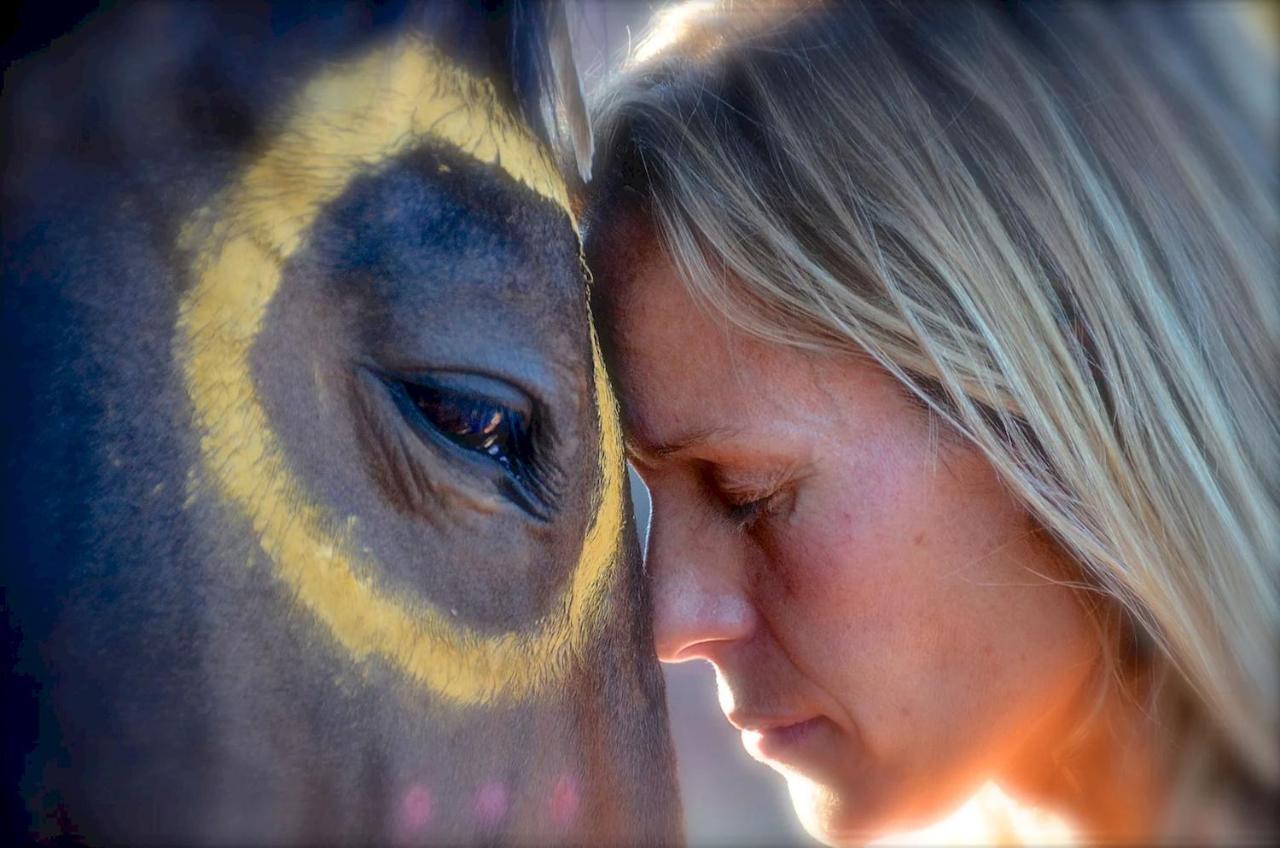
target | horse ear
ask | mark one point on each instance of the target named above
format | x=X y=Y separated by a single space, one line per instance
x=546 y=81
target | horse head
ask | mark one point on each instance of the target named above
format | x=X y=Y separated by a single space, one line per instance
x=319 y=525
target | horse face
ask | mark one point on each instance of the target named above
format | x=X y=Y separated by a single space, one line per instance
x=331 y=540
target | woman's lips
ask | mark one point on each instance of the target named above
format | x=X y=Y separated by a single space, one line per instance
x=779 y=741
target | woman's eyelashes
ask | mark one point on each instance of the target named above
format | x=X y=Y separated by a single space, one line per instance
x=747 y=506
x=485 y=429
x=746 y=514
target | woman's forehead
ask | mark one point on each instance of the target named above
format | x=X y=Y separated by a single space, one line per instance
x=688 y=379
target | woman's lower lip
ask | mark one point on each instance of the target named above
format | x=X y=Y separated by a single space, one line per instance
x=781 y=744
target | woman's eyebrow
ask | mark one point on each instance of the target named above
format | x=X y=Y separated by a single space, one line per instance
x=652 y=454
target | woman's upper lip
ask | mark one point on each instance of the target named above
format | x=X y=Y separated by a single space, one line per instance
x=762 y=722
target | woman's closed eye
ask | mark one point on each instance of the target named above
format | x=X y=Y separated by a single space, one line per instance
x=745 y=514
x=746 y=506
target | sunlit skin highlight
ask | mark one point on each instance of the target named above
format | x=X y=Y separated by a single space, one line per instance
x=345 y=122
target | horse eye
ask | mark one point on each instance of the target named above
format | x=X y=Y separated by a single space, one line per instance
x=463 y=411
x=477 y=425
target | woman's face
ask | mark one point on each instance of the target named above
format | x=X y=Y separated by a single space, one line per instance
x=881 y=614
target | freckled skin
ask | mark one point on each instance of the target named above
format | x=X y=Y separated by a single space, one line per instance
x=167 y=685
x=891 y=589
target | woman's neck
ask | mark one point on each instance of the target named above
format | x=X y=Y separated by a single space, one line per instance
x=1098 y=766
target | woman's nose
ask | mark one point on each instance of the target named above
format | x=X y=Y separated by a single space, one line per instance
x=700 y=608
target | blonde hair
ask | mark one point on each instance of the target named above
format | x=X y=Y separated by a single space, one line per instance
x=1056 y=225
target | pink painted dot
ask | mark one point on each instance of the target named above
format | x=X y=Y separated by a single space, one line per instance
x=565 y=800
x=490 y=803
x=415 y=810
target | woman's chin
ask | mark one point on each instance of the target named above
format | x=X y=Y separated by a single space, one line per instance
x=833 y=815
x=836 y=814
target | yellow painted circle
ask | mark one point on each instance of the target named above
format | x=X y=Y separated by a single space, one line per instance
x=348 y=119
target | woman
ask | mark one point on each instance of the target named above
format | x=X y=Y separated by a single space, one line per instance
x=946 y=343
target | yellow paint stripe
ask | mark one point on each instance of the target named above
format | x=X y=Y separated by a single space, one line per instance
x=348 y=120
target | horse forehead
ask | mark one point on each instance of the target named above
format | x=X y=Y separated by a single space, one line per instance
x=432 y=203
x=433 y=235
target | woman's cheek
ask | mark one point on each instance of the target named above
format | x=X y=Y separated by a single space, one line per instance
x=875 y=574
x=854 y=576
x=852 y=547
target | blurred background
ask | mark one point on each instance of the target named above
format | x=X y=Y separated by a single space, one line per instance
x=729 y=798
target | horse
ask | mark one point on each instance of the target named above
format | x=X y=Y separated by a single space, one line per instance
x=316 y=525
